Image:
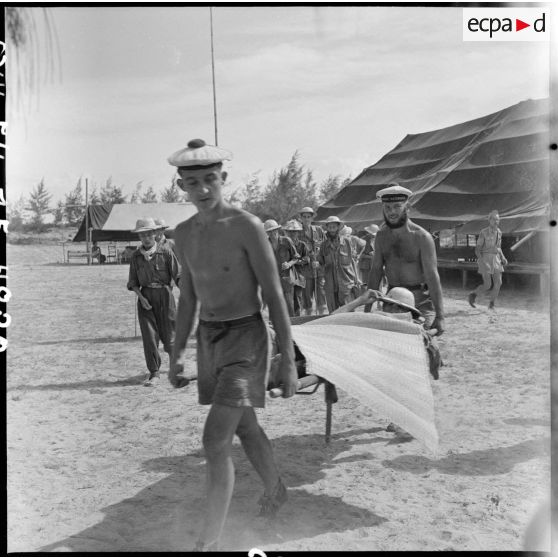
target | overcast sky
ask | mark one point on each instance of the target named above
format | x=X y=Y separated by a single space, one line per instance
x=343 y=85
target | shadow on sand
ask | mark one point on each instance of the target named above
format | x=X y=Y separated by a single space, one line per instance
x=493 y=461
x=98 y=340
x=93 y=340
x=166 y=516
x=87 y=384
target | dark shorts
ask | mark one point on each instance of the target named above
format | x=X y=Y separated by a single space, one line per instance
x=233 y=362
x=424 y=303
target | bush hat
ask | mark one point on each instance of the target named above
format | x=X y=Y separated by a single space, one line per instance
x=372 y=229
x=293 y=225
x=161 y=224
x=402 y=297
x=333 y=219
x=307 y=210
x=145 y=224
x=271 y=225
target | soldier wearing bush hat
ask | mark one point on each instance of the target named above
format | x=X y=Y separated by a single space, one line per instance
x=357 y=247
x=228 y=265
x=271 y=225
x=407 y=254
x=160 y=234
x=335 y=257
x=293 y=228
x=367 y=255
x=372 y=230
x=313 y=237
x=152 y=267
x=286 y=257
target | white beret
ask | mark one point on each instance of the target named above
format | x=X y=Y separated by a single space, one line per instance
x=198 y=153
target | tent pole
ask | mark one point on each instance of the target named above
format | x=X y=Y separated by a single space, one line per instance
x=87 y=233
x=213 y=75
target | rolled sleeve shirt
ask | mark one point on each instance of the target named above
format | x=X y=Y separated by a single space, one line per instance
x=336 y=258
x=284 y=252
x=160 y=269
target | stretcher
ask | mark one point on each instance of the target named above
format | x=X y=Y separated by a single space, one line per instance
x=309 y=384
x=307 y=381
x=314 y=382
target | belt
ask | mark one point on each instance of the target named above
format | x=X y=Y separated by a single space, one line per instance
x=231 y=323
x=222 y=327
x=155 y=285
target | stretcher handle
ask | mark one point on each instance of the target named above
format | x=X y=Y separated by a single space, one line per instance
x=304 y=382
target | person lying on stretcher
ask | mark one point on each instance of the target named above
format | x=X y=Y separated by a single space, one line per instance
x=398 y=303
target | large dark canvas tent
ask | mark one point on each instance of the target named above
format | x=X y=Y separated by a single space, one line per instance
x=460 y=173
x=113 y=222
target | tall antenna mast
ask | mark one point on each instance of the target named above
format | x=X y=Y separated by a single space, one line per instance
x=213 y=75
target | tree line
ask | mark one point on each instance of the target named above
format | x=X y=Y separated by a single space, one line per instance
x=281 y=197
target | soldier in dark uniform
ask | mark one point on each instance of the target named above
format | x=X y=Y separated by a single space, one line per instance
x=294 y=230
x=366 y=257
x=313 y=236
x=152 y=268
x=286 y=256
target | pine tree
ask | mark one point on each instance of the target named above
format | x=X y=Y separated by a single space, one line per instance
x=149 y=196
x=251 y=197
x=111 y=193
x=94 y=198
x=172 y=194
x=331 y=186
x=289 y=189
x=75 y=205
x=15 y=214
x=59 y=213
x=136 y=195
x=39 y=205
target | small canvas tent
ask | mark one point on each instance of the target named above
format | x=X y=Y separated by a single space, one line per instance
x=113 y=222
x=460 y=173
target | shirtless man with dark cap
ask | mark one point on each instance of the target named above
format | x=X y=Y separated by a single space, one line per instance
x=226 y=257
x=406 y=254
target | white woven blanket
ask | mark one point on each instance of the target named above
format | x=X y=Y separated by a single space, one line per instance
x=380 y=361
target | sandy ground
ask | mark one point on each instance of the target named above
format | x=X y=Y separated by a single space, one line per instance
x=99 y=463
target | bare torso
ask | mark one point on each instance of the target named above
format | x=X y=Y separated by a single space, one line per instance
x=224 y=281
x=401 y=251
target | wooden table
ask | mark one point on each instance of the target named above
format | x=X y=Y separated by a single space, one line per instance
x=542 y=270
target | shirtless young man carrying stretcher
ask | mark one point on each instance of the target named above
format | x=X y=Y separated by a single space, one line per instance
x=225 y=257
